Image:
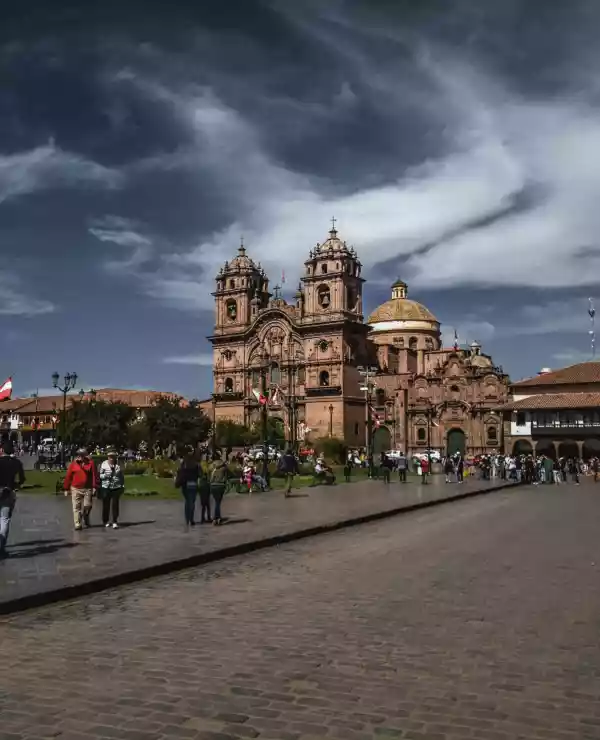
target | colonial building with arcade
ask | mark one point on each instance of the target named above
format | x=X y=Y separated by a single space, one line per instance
x=327 y=370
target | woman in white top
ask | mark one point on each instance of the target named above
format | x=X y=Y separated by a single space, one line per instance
x=112 y=482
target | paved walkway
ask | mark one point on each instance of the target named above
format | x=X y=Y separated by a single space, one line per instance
x=48 y=557
x=473 y=621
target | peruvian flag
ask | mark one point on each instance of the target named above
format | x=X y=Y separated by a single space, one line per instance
x=375 y=417
x=263 y=400
x=6 y=390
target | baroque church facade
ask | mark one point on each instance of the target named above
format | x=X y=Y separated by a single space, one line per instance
x=311 y=356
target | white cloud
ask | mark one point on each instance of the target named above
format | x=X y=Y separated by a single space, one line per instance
x=204 y=359
x=511 y=200
x=50 y=166
x=571 y=356
x=17 y=300
x=124 y=233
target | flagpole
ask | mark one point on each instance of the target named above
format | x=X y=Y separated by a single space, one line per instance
x=592 y=332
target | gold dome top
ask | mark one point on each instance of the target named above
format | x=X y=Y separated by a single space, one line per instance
x=400 y=308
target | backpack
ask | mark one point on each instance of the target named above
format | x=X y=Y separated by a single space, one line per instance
x=218 y=475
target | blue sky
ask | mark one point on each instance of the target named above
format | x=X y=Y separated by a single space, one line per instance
x=457 y=144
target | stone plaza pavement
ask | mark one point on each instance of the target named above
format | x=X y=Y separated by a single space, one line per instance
x=48 y=560
x=472 y=621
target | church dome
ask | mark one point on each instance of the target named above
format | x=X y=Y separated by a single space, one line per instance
x=400 y=312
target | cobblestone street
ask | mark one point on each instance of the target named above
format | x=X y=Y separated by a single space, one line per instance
x=46 y=554
x=474 y=620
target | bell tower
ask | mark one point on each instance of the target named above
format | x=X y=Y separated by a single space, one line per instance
x=242 y=290
x=332 y=281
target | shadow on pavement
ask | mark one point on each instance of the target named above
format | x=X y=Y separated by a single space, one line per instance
x=39 y=550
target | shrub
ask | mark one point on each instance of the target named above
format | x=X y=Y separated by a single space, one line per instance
x=135 y=468
x=332 y=448
x=163 y=468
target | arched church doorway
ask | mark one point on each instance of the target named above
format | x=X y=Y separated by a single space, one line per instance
x=522 y=447
x=591 y=448
x=545 y=448
x=456 y=442
x=568 y=448
x=382 y=441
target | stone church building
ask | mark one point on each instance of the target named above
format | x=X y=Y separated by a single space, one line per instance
x=311 y=354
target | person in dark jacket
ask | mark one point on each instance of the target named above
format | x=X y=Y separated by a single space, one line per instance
x=12 y=477
x=188 y=480
x=289 y=466
x=219 y=475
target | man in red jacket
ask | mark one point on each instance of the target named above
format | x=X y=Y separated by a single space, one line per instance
x=81 y=481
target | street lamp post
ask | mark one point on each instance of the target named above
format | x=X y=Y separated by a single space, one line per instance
x=70 y=381
x=265 y=366
x=213 y=439
x=429 y=413
x=331 y=420
x=367 y=373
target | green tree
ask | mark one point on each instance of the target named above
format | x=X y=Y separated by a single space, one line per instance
x=102 y=423
x=332 y=448
x=230 y=433
x=169 y=421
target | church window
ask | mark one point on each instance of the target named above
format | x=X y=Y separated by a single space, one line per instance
x=324 y=378
x=228 y=385
x=421 y=434
x=301 y=374
x=412 y=344
x=323 y=345
x=324 y=267
x=356 y=429
x=228 y=354
x=275 y=374
x=255 y=378
x=232 y=284
x=231 y=310
x=351 y=299
x=324 y=296
x=492 y=433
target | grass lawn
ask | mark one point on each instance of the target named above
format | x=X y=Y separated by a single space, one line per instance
x=41 y=481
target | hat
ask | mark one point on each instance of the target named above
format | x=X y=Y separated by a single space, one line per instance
x=82 y=451
x=111 y=452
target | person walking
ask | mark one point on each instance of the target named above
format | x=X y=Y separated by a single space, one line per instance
x=402 y=465
x=12 y=477
x=112 y=483
x=81 y=481
x=288 y=465
x=219 y=475
x=424 y=469
x=449 y=469
x=188 y=480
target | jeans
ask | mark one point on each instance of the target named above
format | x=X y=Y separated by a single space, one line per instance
x=217 y=491
x=205 y=504
x=110 y=504
x=190 y=491
x=402 y=475
x=557 y=476
x=6 y=510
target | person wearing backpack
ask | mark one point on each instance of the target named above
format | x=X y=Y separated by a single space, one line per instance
x=187 y=479
x=219 y=475
x=288 y=465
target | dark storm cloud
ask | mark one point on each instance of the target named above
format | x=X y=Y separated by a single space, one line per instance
x=456 y=144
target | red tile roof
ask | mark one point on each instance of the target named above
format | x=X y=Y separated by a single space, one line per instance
x=552 y=401
x=50 y=404
x=583 y=372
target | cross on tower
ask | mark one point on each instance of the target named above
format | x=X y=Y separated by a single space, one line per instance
x=277 y=292
x=333 y=220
